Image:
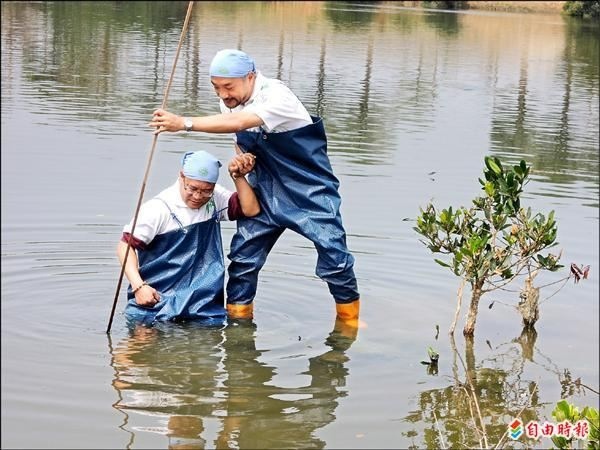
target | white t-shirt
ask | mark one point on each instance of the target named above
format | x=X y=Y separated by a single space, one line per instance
x=275 y=104
x=155 y=218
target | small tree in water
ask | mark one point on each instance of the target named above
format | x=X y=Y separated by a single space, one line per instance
x=494 y=241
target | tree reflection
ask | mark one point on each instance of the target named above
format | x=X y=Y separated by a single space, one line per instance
x=320 y=107
x=173 y=379
x=541 y=128
x=474 y=410
x=443 y=22
x=583 y=51
x=280 y=55
x=343 y=15
x=363 y=111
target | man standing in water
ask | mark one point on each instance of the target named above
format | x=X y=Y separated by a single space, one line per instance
x=293 y=180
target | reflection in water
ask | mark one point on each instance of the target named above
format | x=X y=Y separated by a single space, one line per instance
x=444 y=23
x=520 y=130
x=122 y=39
x=172 y=379
x=402 y=92
x=450 y=417
x=191 y=82
x=562 y=138
x=350 y=15
x=321 y=79
x=280 y=56
x=550 y=137
x=363 y=113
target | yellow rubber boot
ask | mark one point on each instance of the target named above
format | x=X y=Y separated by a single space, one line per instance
x=348 y=312
x=235 y=311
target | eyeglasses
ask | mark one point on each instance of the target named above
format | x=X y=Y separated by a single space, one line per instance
x=196 y=192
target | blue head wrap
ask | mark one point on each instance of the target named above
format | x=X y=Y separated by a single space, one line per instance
x=201 y=166
x=230 y=63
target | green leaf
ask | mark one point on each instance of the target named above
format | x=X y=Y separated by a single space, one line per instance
x=433 y=355
x=494 y=165
x=519 y=171
x=441 y=263
x=561 y=442
x=565 y=411
x=507 y=274
x=523 y=166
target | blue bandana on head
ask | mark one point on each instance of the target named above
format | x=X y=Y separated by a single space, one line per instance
x=201 y=166
x=230 y=63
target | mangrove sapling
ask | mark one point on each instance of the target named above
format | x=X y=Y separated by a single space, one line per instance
x=493 y=242
x=529 y=297
x=434 y=357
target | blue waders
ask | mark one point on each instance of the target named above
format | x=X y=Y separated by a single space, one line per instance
x=186 y=267
x=297 y=189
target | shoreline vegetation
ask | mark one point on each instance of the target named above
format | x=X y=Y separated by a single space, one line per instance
x=585 y=9
x=518 y=6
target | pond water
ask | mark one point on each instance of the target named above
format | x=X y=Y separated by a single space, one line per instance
x=413 y=100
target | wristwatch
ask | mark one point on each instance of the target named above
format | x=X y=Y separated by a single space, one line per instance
x=188 y=124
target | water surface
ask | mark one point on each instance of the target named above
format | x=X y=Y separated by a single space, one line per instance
x=413 y=100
